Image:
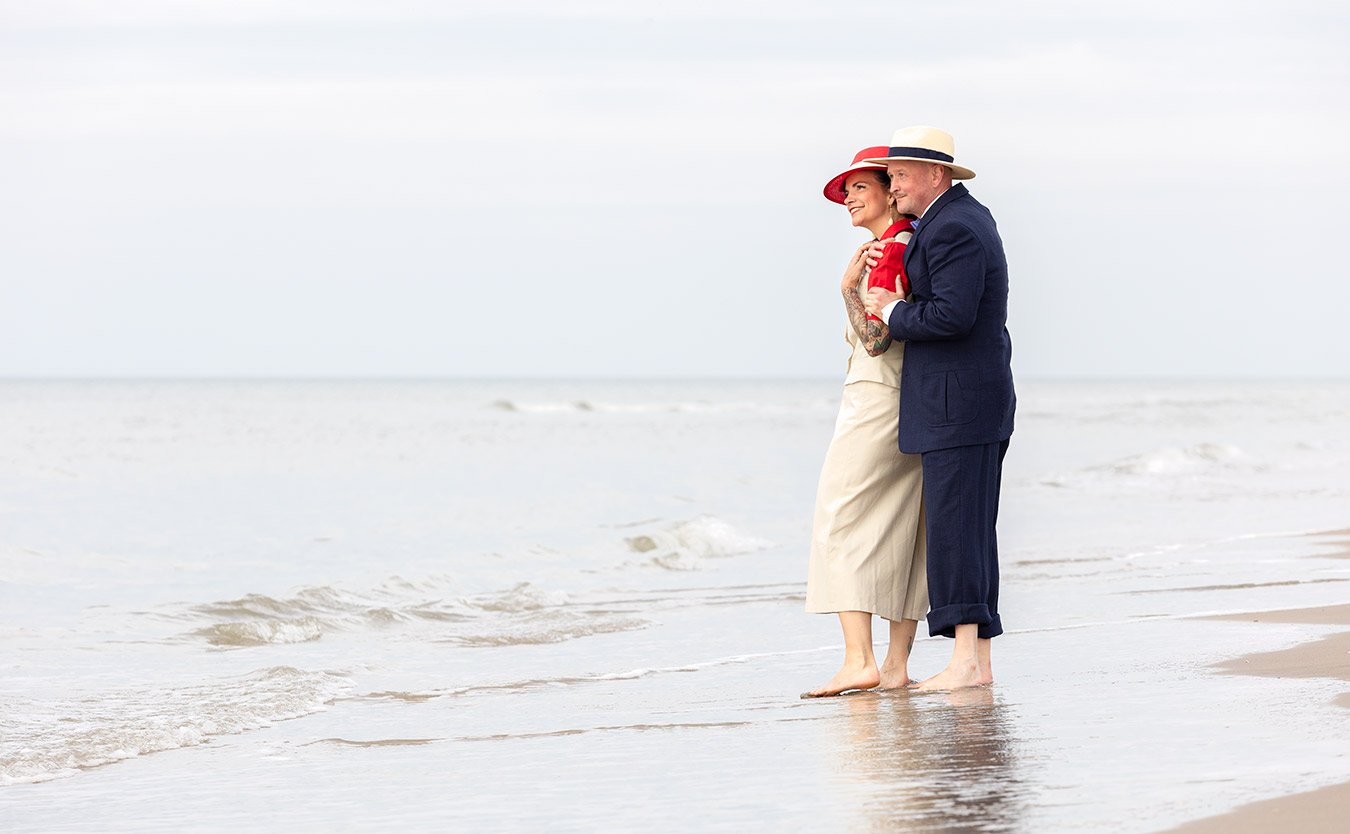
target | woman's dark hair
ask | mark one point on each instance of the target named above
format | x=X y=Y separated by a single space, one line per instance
x=884 y=179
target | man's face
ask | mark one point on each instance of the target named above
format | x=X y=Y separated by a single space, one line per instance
x=913 y=184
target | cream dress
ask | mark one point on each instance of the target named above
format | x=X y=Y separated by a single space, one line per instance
x=868 y=549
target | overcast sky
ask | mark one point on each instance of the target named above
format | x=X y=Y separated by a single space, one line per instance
x=625 y=188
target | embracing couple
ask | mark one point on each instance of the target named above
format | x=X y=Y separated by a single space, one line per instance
x=907 y=528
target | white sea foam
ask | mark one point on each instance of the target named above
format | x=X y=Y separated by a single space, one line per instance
x=1199 y=460
x=1172 y=461
x=260 y=620
x=548 y=627
x=683 y=546
x=50 y=739
x=690 y=407
x=263 y=632
x=522 y=614
x=708 y=536
x=523 y=597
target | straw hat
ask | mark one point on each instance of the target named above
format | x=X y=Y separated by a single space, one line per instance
x=925 y=144
x=834 y=189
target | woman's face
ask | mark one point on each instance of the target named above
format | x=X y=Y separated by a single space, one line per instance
x=867 y=202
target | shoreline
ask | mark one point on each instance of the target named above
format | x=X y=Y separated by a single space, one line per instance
x=1309 y=812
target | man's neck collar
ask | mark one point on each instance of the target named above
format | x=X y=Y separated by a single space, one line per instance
x=935 y=199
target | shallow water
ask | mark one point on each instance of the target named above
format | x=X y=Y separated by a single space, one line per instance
x=578 y=606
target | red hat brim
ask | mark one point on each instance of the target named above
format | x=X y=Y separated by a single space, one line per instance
x=834 y=189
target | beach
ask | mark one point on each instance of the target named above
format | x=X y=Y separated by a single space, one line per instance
x=578 y=606
x=1320 y=810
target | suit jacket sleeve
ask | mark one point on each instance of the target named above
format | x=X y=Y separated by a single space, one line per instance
x=954 y=261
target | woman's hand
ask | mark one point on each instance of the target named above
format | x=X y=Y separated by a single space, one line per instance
x=875 y=336
x=853 y=273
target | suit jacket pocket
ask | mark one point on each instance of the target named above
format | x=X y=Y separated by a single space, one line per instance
x=951 y=398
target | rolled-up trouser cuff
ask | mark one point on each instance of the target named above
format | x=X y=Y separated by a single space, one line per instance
x=942 y=622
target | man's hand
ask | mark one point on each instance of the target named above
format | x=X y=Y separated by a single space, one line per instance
x=874 y=250
x=877 y=299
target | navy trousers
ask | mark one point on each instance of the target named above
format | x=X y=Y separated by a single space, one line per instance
x=960 y=494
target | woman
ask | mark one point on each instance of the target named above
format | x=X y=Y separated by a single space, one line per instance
x=868 y=553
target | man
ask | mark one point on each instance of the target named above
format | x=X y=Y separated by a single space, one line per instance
x=956 y=390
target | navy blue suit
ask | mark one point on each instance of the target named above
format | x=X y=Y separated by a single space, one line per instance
x=957 y=401
x=956 y=388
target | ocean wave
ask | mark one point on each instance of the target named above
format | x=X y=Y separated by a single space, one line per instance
x=551 y=627
x=261 y=620
x=692 y=407
x=1213 y=467
x=263 y=632
x=1171 y=461
x=684 y=546
x=676 y=561
x=49 y=739
x=531 y=684
x=524 y=613
x=311 y=601
x=542 y=407
x=523 y=597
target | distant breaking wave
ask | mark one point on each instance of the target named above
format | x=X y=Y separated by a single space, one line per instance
x=685 y=545
x=259 y=620
x=45 y=739
x=263 y=632
x=823 y=406
x=526 y=615
x=540 y=628
x=522 y=614
x=1198 y=458
x=1213 y=462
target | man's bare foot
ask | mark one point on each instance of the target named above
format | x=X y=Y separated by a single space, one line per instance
x=986 y=662
x=849 y=677
x=957 y=675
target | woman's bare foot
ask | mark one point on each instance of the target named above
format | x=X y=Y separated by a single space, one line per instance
x=895 y=668
x=860 y=665
x=893 y=676
x=864 y=676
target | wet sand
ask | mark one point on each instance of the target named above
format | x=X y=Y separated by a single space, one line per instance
x=1339 y=539
x=1316 y=812
x=1313 y=812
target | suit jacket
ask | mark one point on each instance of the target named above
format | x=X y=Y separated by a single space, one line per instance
x=956 y=388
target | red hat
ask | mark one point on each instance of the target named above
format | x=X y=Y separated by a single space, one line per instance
x=834 y=189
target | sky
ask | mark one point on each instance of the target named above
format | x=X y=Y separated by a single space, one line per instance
x=620 y=188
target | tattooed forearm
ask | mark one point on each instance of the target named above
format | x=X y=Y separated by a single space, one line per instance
x=875 y=335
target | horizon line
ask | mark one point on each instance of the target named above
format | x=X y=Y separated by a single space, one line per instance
x=1079 y=378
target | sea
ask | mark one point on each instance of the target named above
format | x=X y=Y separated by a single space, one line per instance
x=558 y=605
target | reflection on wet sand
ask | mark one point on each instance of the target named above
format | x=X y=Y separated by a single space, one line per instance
x=940 y=762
